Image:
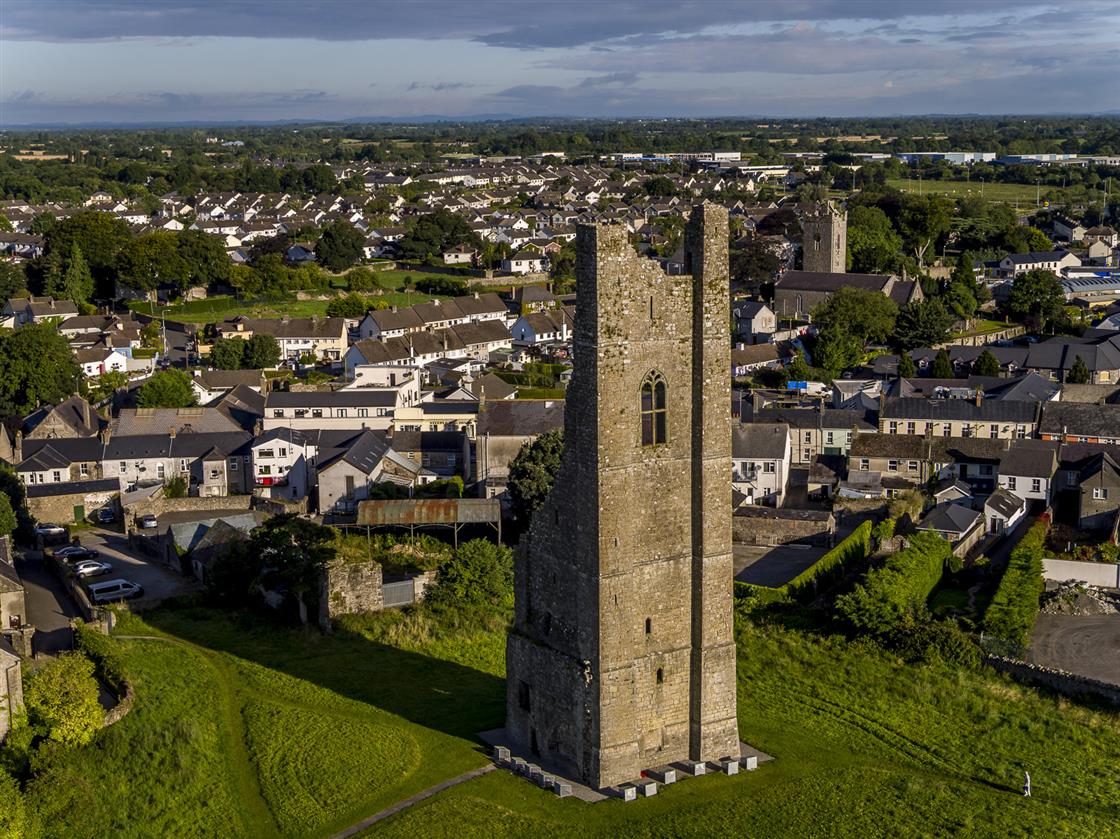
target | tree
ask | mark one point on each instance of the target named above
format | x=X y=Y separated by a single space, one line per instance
x=923 y=220
x=532 y=473
x=167 y=389
x=348 y=306
x=752 y=263
x=433 y=233
x=340 y=246
x=13 y=279
x=922 y=323
x=1036 y=295
x=867 y=316
x=8 y=521
x=36 y=368
x=480 y=573
x=1037 y=241
x=107 y=384
x=798 y=370
x=837 y=351
x=204 y=258
x=873 y=244
x=227 y=354
x=149 y=260
x=76 y=282
x=261 y=351
x=906 y=367
x=986 y=364
x=99 y=235
x=294 y=553
x=62 y=700
x=942 y=366
x=1079 y=373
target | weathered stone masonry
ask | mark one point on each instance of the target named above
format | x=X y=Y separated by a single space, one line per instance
x=622 y=656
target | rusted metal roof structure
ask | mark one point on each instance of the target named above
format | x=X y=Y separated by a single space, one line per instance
x=429 y=512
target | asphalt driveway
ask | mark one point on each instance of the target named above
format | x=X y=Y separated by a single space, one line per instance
x=158 y=582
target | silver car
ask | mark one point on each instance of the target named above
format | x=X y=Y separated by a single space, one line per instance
x=92 y=568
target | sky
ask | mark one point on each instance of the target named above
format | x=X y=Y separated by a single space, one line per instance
x=159 y=61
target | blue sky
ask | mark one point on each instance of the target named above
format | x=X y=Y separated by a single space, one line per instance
x=230 y=60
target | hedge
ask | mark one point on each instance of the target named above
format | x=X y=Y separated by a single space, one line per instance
x=824 y=572
x=103 y=652
x=1014 y=606
x=900 y=586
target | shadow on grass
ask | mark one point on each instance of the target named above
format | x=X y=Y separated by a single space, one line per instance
x=432 y=692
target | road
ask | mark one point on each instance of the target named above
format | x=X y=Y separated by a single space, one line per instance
x=1088 y=645
x=49 y=607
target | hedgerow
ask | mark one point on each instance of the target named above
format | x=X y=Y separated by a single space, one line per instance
x=1014 y=607
x=899 y=587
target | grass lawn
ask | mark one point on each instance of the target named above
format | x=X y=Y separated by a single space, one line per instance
x=1008 y=193
x=983 y=326
x=215 y=309
x=243 y=729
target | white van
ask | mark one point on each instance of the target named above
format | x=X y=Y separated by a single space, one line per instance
x=112 y=590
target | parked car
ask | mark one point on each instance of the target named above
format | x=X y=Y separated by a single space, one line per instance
x=147 y=522
x=106 y=515
x=112 y=590
x=92 y=568
x=76 y=553
x=50 y=531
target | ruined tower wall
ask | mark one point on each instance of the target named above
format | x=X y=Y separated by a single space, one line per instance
x=611 y=669
x=824 y=240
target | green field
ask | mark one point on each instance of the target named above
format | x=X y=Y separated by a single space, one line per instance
x=215 y=309
x=241 y=729
x=1023 y=194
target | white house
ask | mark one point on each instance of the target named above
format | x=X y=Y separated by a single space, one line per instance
x=1017 y=264
x=282 y=463
x=760 y=460
x=1027 y=469
x=1003 y=511
x=525 y=262
x=95 y=362
x=755 y=322
x=545 y=327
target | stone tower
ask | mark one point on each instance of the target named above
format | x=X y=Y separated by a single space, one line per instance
x=622 y=656
x=824 y=239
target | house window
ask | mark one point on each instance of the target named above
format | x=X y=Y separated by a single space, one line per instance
x=1071 y=479
x=183 y=467
x=283 y=453
x=1020 y=432
x=1011 y=484
x=1100 y=493
x=911 y=427
x=341 y=412
x=653 y=410
x=1036 y=484
x=233 y=464
x=947 y=431
x=160 y=470
x=57 y=476
x=806 y=455
x=301 y=413
x=864 y=464
x=768 y=466
x=892 y=465
x=363 y=412
x=892 y=427
x=83 y=470
x=993 y=431
x=215 y=474
x=985 y=469
x=316 y=413
x=278 y=412
x=912 y=465
x=123 y=467
x=808 y=436
x=966 y=430
x=383 y=411
x=264 y=470
x=265 y=454
x=828 y=438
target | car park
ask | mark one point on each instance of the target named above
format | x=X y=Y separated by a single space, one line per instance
x=49 y=531
x=92 y=568
x=147 y=522
x=113 y=590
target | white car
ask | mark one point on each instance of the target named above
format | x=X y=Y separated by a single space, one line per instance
x=92 y=568
x=146 y=522
x=113 y=590
x=49 y=530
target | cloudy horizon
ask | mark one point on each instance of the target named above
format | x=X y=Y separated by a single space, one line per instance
x=134 y=61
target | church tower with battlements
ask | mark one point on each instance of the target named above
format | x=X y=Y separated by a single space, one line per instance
x=824 y=239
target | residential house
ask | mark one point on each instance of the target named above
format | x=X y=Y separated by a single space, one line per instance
x=525 y=262
x=209 y=385
x=748 y=359
x=460 y=255
x=439 y=452
x=349 y=408
x=817 y=431
x=548 y=326
x=320 y=338
x=1027 y=470
x=24 y=310
x=72 y=417
x=97 y=362
x=996 y=419
x=760 y=461
x=1098 y=492
x=1068 y=229
x=345 y=473
x=282 y=463
x=502 y=429
x=962 y=527
x=755 y=322
x=1017 y=264
x=396 y=322
x=911 y=461
x=1003 y=510
x=1073 y=422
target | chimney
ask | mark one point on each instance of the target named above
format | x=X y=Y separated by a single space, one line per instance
x=18 y=453
x=171 y=432
x=979 y=397
x=105 y=435
x=85 y=412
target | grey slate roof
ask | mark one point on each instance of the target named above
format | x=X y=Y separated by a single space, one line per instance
x=520 y=417
x=989 y=410
x=950 y=518
x=820 y=281
x=1003 y=502
x=761 y=441
x=356 y=398
x=1080 y=420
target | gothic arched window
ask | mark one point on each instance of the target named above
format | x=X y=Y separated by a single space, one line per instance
x=654 y=425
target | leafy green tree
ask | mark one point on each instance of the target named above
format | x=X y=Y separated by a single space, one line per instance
x=5 y=224
x=361 y=279
x=151 y=335
x=874 y=246
x=479 y=574
x=922 y=323
x=867 y=316
x=76 y=282
x=1036 y=296
x=13 y=279
x=433 y=233
x=318 y=179
x=1037 y=241
x=532 y=473
x=36 y=368
x=798 y=370
x=151 y=259
x=13 y=810
x=261 y=351
x=923 y=220
x=340 y=246
x=12 y=488
x=99 y=235
x=8 y=520
x=752 y=263
x=61 y=700
x=1079 y=373
x=837 y=351
x=167 y=389
x=175 y=487
x=227 y=354
x=348 y=306
x=986 y=364
x=906 y=367
x=107 y=384
x=942 y=366
x=204 y=258
x=294 y=553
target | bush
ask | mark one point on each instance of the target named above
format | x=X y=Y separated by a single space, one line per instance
x=479 y=574
x=13 y=816
x=884 y=530
x=926 y=641
x=899 y=588
x=1014 y=607
x=449 y=286
x=62 y=700
x=104 y=653
x=830 y=567
x=175 y=487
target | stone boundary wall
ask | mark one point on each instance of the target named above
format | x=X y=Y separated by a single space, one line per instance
x=278 y=507
x=159 y=506
x=349 y=588
x=1102 y=574
x=779 y=528
x=1067 y=684
x=983 y=339
x=119 y=711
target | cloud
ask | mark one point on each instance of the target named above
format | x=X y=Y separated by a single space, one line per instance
x=438 y=86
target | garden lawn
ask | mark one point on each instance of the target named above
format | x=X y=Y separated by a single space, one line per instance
x=1008 y=193
x=244 y=729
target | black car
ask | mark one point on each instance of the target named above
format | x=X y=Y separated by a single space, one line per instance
x=106 y=515
x=77 y=554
